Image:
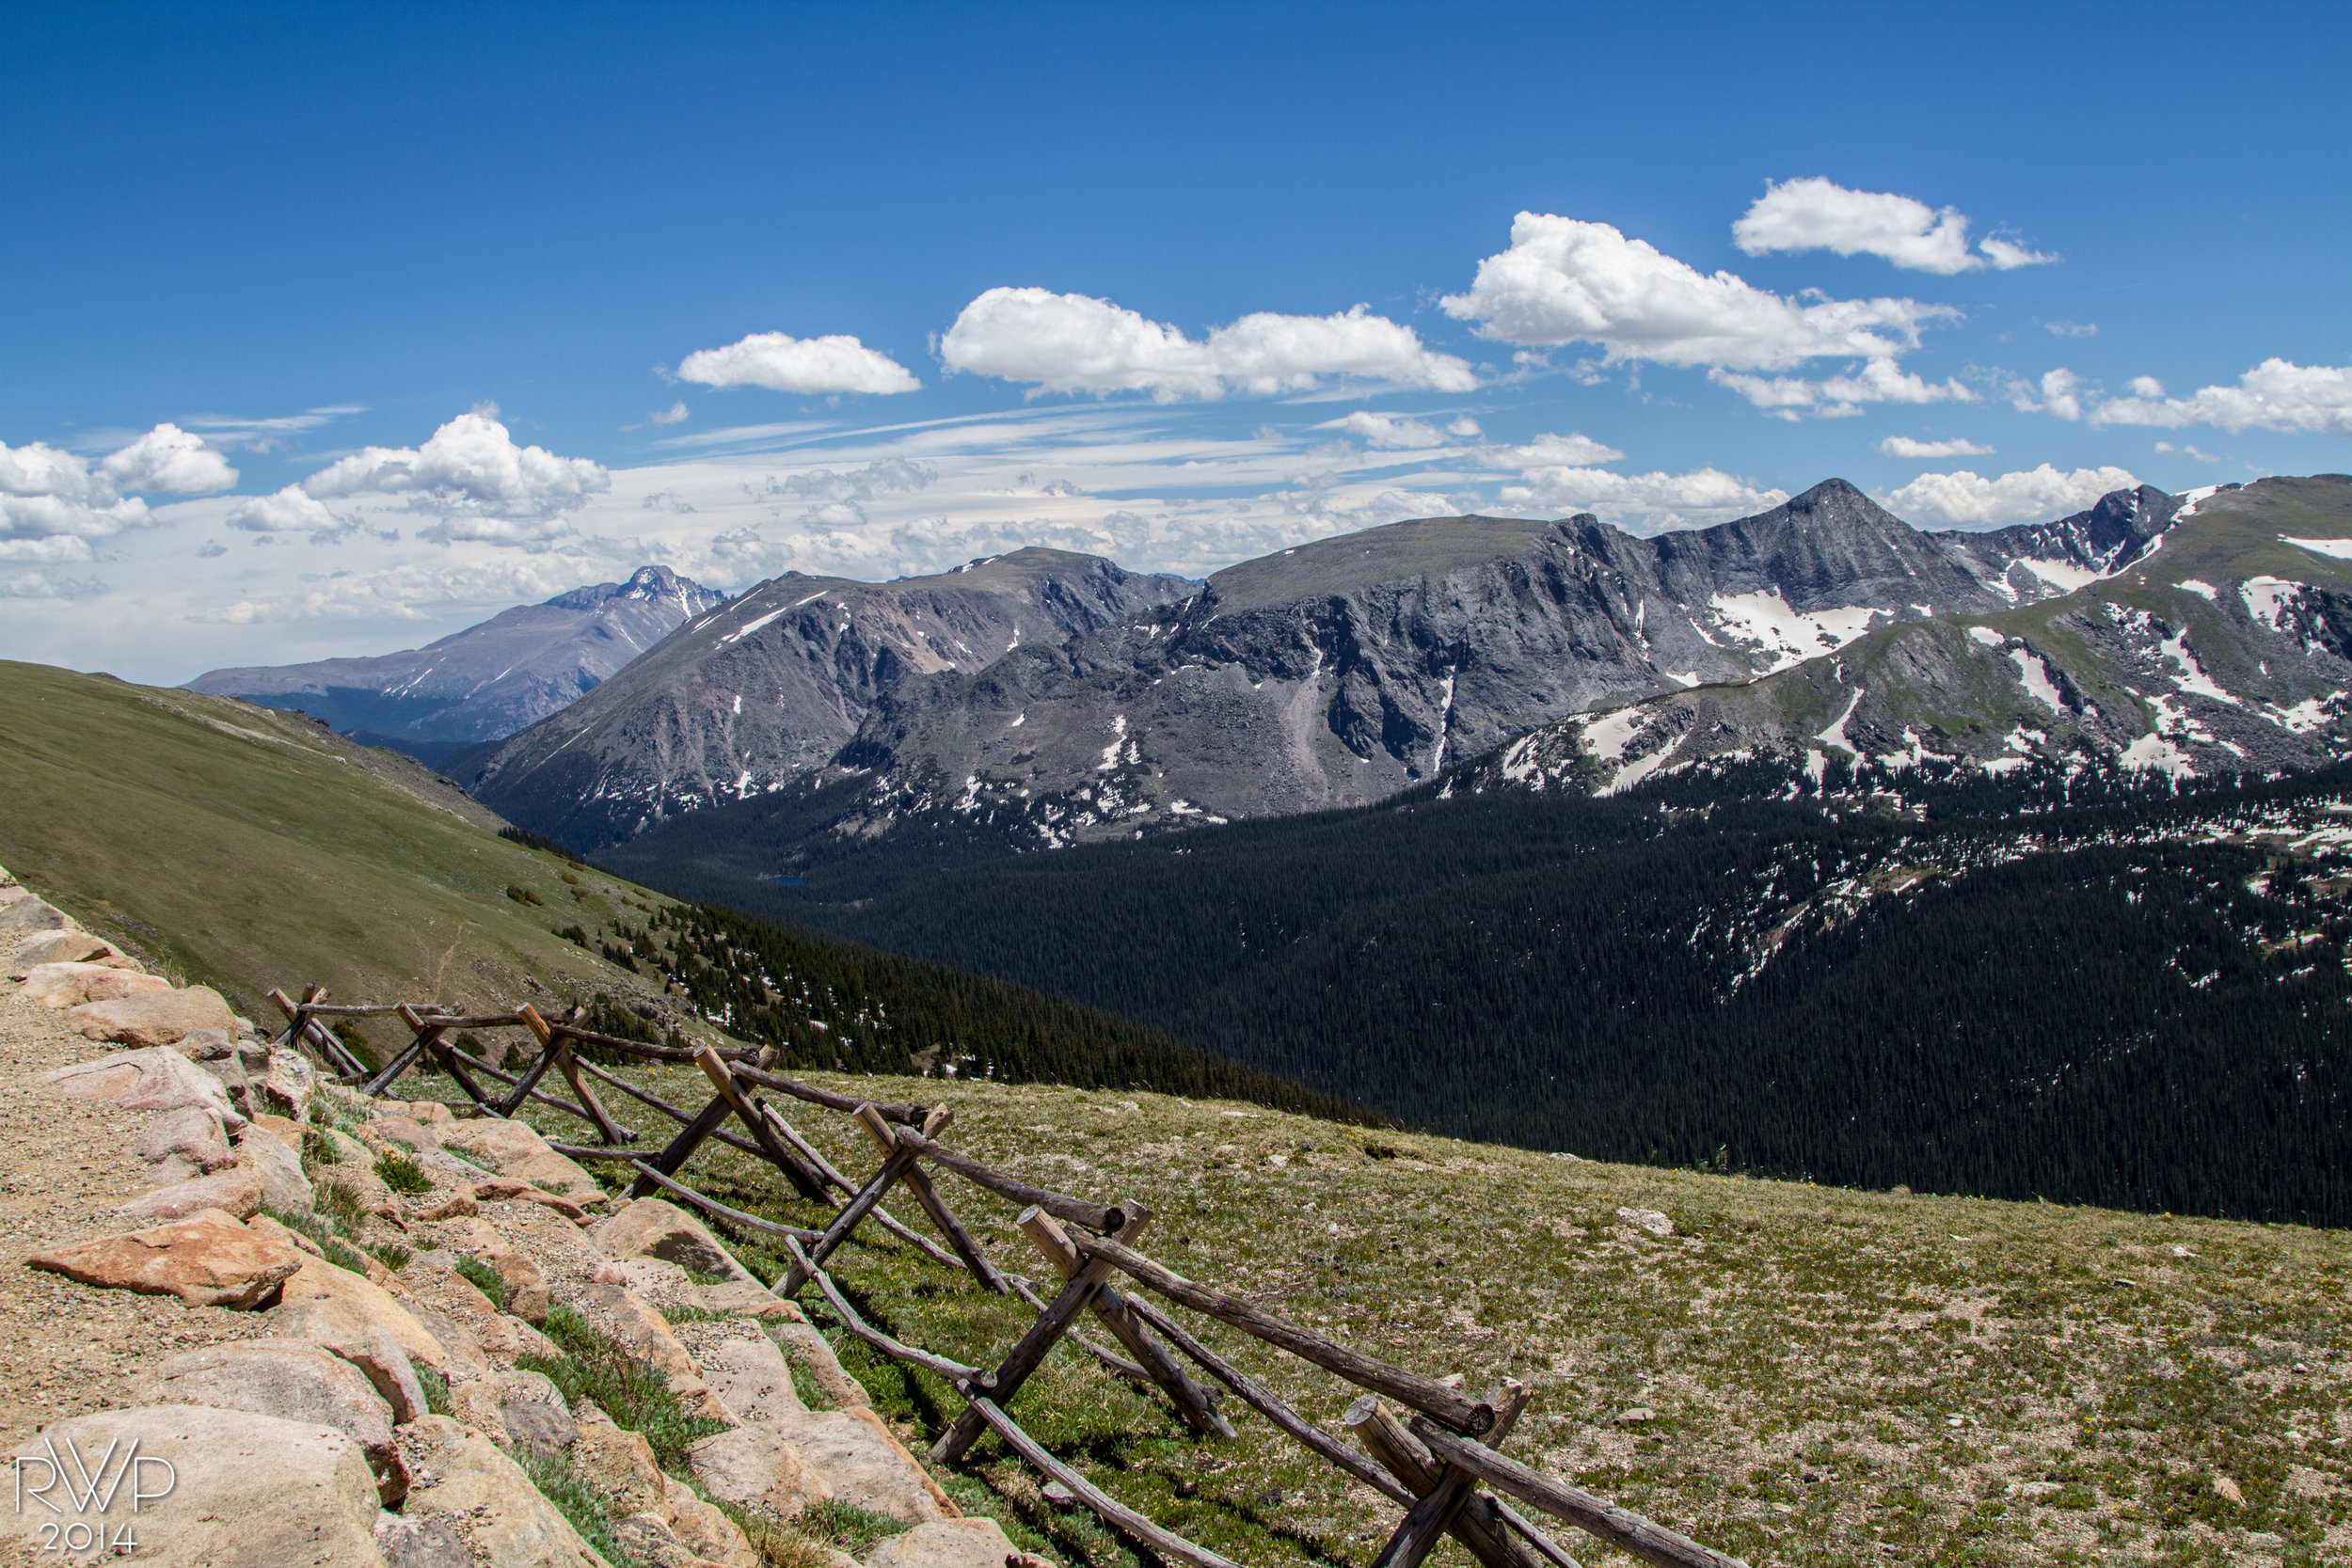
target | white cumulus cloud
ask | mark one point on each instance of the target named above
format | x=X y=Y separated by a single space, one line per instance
x=1647 y=503
x=1967 y=499
x=1814 y=213
x=291 y=509
x=1549 y=451
x=1564 y=281
x=2056 y=395
x=1840 y=396
x=168 y=459
x=2276 y=394
x=1075 y=343
x=670 y=415
x=54 y=506
x=473 y=478
x=1904 y=446
x=807 y=366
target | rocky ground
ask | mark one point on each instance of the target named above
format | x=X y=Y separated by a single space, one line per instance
x=371 y=1333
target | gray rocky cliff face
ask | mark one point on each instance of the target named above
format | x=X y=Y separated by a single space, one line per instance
x=767 y=687
x=490 y=680
x=1342 y=672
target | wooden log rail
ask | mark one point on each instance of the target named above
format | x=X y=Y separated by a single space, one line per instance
x=1433 y=1468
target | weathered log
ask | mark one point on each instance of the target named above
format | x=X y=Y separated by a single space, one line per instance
x=299 y=1028
x=973 y=1261
x=1266 y=1402
x=1191 y=1401
x=954 y=1371
x=1116 y=1363
x=1111 y=1511
x=700 y=1201
x=482 y=1020
x=1030 y=1352
x=682 y=1147
x=447 y=1055
x=910 y=1115
x=651 y=1053
x=493 y=1107
x=1479 y=1526
x=1623 y=1529
x=788 y=1284
x=772 y=1149
x=427 y=1034
x=1076 y=1210
x=530 y=1081
x=824 y=1167
x=1425 y=1394
x=611 y=1131
x=1441 y=1507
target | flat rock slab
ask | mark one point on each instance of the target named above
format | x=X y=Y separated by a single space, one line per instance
x=750 y=1376
x=289 y=1381
x=240 y=1490
x=514 y=1150
x=152 y=1079
x=70 y=984
x=192 y=1134
x=236 y=1192
x=21 y=917
x=276 y=1167
x=207 y=1259
x=459 y=1480
x=159 y=1017
x=370 y=1302
x=945 y=1543
x=54 y=947
x=650 y=1227
x=783 y=1466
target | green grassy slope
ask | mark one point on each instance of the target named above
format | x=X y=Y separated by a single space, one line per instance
x=247 y=848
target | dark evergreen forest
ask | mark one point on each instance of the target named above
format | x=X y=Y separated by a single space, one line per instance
x=2122 y=1002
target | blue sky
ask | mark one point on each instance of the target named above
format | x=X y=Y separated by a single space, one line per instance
x=294 y=235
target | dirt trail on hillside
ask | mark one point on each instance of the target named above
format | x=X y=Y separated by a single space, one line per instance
x=65 y=1163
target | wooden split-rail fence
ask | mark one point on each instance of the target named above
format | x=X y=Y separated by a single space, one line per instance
x=1435 y=1456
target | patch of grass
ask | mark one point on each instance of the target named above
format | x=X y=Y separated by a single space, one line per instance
x=576 y=1501
x=635 y=1393
x=487 y=1279
x=546 y=1186
x=340 y=1205
x=391 y=1254
x=846 y=1526
x=401 y=1174
x=345 y=1256
x=317 y=1147
x=436 y=1390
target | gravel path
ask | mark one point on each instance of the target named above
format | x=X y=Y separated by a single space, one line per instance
x=64 y=1164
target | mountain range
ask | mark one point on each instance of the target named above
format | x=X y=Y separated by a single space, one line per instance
x=489 y=680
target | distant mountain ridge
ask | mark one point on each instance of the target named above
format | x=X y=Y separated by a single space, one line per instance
x=1345 y=671
x=489 y=680
x=766 y=688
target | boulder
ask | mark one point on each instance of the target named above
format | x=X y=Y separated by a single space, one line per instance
x=207 y=1259
x=192 y=1133
x=945 y=1543
x=808 y=1347
x=433 y=1280
x=616 y=1464
x=638 y=1329
x=650 y=1227
x=371 y=1304
x=28 y=916
x=780 y=1466
x=278 y=1168
x=152 y=1079
x=748 y=1300
x=286 y=1379
x=158 y=1018
x=341 y=1330
x=704 y=1530
x=537 y=1419
x=458 y=1477
x=70 y=984
x=512 y=1148
x=647 y=1541
x=508 y=1189
x=419 y=1544
x=526 y=1287
x=61 y=947
x=353 y=1170
x=751 y=1377
x=239 y=1490
x=1648 y=1219
x=235 y=1192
